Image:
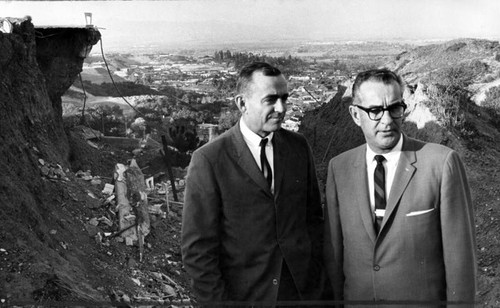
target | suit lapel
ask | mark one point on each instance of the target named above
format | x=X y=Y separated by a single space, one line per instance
x=246 y=160
x=402 y=177
x=360 y=184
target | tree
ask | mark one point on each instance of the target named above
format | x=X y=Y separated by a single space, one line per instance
x=228 y=119
x=107 y=119
x=139 y=126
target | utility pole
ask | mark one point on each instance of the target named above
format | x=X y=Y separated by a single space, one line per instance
x=166 y=157
x=102 y=121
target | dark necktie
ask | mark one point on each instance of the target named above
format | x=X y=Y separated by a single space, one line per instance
x=266 y=168
x=379 y=184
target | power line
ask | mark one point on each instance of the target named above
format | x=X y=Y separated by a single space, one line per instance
x=84 y=98
x=113 y=81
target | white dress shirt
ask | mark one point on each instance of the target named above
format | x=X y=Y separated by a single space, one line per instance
x=390 y=165
x=253 y=142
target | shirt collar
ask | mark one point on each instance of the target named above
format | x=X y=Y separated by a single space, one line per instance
x=252 y=138
x=393 y=154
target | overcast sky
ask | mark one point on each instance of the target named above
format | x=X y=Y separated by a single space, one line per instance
x=127 y=23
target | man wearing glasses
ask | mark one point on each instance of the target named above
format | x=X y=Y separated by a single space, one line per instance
x=400 y=223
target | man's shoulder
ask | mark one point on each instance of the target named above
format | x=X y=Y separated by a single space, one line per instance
x=426 y=148
x=291 y=136
x=348 y=156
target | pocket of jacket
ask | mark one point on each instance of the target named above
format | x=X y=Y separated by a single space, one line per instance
x=418 y=213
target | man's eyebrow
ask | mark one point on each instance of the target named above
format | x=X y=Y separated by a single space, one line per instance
x=379 y=106
x=276 y=96
x=374 y=107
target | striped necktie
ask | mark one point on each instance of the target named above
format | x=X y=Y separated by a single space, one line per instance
x=379 y=185
x=266 y=168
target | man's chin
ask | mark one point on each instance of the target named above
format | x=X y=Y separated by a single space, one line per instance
x=389 y=142
x=273 y=125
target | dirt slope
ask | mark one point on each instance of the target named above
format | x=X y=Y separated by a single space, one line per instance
x=52 y=220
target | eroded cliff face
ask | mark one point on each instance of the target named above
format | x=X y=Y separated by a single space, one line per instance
x=27 y=119
x=60 y=53
x=36 y=67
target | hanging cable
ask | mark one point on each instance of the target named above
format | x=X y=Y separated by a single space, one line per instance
x=312 y=96
x=113 y=82
x=82 y=120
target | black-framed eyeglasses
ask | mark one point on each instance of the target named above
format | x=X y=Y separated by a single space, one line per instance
x=396 y=111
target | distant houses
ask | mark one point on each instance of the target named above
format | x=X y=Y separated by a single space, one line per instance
x=203 y=75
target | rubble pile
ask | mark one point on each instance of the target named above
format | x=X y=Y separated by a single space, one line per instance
x=156 y=275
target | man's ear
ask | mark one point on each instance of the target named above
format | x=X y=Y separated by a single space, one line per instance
x=355 y=114
x=240 y=102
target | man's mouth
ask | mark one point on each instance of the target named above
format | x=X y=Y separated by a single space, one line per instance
x=385 y=132
x=276 y=118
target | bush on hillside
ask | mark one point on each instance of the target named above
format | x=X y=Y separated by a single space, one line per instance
x=229 y=118
x=492 y=105
x=459 y=77
x=492 y=99
x=449 y=98
x=448 y=105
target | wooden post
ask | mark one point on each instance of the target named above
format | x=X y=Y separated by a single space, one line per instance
x=166 y=198
x=132 y=205
x=137 y=194
x=166 y=157
x=125 y=215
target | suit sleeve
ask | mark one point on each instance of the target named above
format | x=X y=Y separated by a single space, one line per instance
x=314 y=211
x=200 y=242
x=314 y=222
x=458 y=231
x=333 y=250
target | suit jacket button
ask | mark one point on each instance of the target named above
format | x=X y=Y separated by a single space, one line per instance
x=376 y=268
x=275 y=281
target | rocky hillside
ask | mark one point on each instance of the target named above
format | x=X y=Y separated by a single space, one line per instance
x=331 y=131
x=59 y=238
x=483 y=55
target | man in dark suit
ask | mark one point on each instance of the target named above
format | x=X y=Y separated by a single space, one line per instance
x=252 y=224
x=400 y=223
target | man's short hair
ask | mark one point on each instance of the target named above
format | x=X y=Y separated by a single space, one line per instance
x=245 y=76
x=383 y=75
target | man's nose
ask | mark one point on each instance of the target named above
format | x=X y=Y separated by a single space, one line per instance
x=280 y=106
x=386 y=117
